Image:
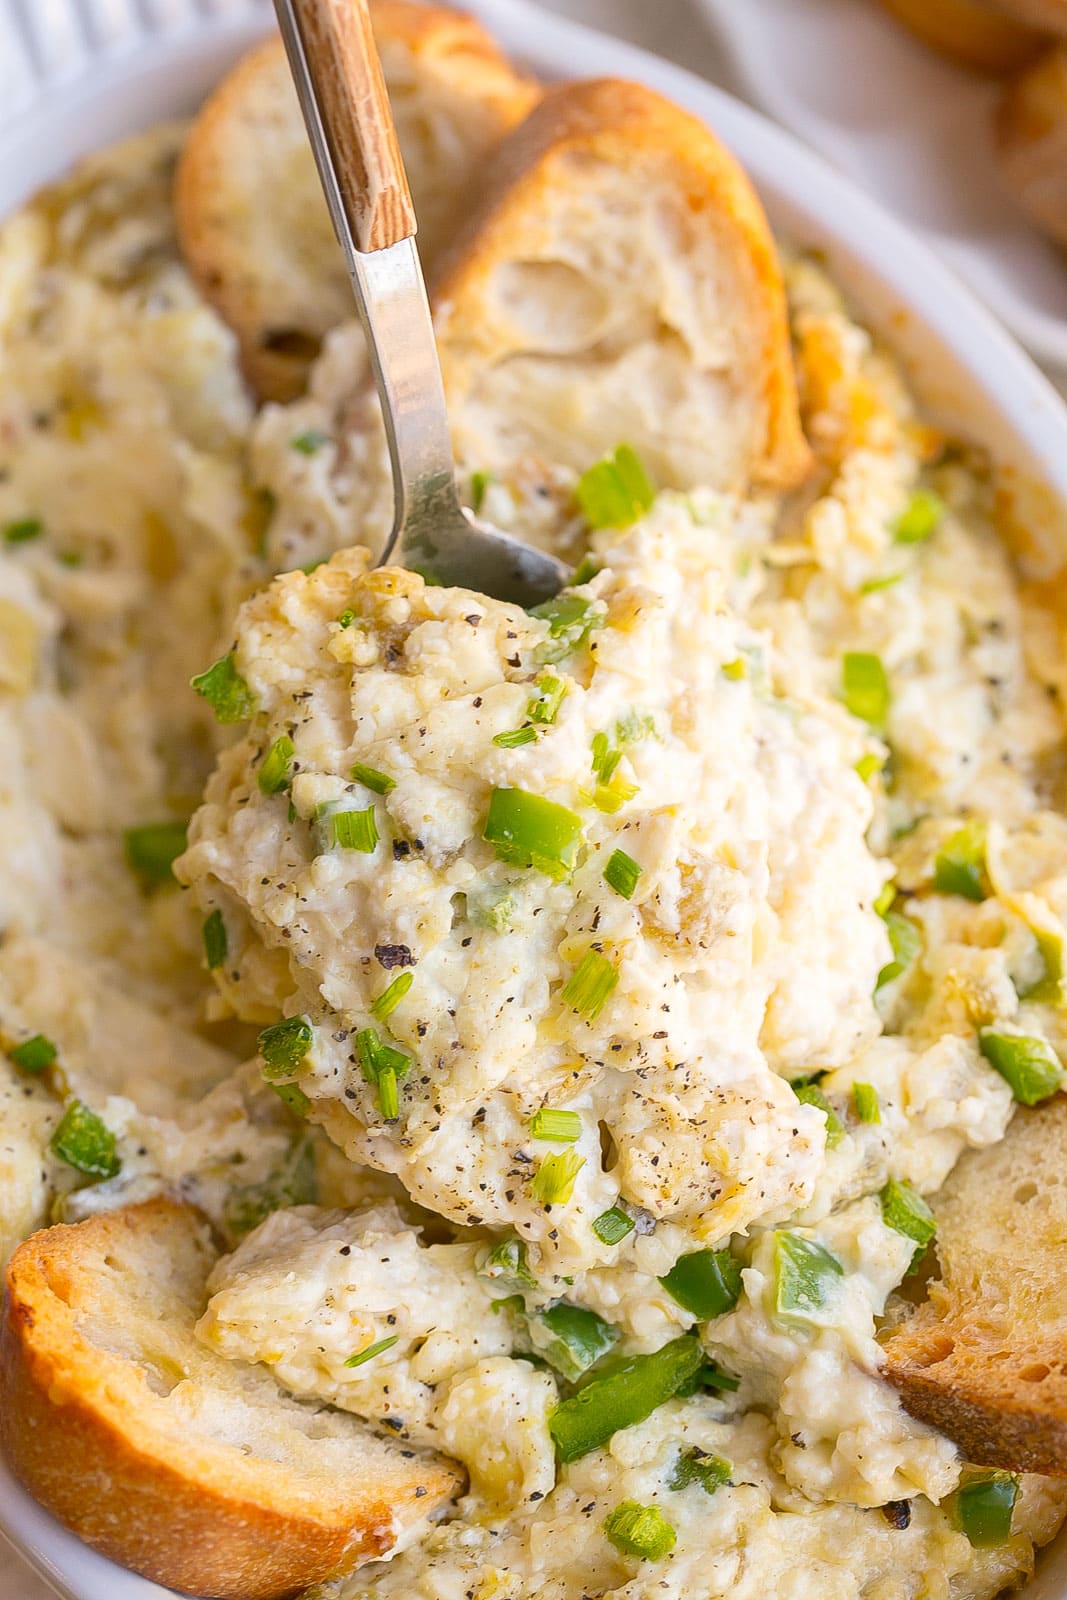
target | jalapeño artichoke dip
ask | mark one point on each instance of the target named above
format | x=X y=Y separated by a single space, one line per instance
x=567 y=1012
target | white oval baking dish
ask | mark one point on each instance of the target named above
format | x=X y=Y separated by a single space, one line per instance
x=113 y=66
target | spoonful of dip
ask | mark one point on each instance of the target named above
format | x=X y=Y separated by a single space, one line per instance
x=342 y=93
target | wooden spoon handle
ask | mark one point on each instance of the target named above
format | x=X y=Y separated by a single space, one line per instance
x=353 y=105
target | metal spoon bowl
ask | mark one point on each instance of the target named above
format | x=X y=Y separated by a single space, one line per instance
x=339 y=81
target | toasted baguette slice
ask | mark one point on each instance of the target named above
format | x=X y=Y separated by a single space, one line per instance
x=1048 y=15
x=980 y=34
x=984 y=1358
x=1032 y=142
x=193 y=1470
x=618 y=283
x=251 y=217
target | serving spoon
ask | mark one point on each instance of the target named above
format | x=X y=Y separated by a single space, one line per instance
x=334 y=62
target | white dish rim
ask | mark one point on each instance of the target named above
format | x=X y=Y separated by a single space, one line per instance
x=981 y=373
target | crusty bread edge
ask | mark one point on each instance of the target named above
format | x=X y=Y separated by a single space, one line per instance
x=624 y=119
x=270 y=375
x=989 y=41
x=1016 y=1440
x=275 y=375
x=68 y=1435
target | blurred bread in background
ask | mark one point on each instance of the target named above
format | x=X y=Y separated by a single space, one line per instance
x=1047 y=15
x=982 y=34
x=264 y=253
x=1025 y=42
x=1032 y=141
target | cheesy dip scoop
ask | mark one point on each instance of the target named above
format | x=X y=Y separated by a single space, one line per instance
x=542 y=912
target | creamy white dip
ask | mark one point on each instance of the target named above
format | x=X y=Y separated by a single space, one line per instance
x=740 y=1067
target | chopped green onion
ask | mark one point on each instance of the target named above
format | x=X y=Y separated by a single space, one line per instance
x=216 y=944
x=293 y=1183
x=511 y=1303
x=310 y=441
x=612 y=796
x=984 y=1507
x=1049 y=988
x=347 y=617
x=708 y=1376
x=392 y=995
x=641 y=1531
x=376 y=1056
x=615 y=492
x=807 y=1078
x=905 y=1210
x=291 y=1095
x=579 y=1337
x=371 y=1350
x=377 y=782
x=706 y=1283
x=529 y=831
x=886 y=895
x=382 y=1066
x=865 y=687
x=865 y=1099
x=959 y=866
x=492 y=907
x=736 y=669
x=805 y=1278
x=905 y=941
x=809 y=1094
x=22 y=531
x=274 y=773
x=605 y=757
x=356 y=830
x=887 y=581
x=699 y=1466
x=84 y=1141
x=480 y=482
x=551 y=693
x=622 y=1397
x=284 y=1045
x=151 y=850
x=508 y=1259
x=571 y=619
x=225 y=691
x=920 y=517
x=868 y=766
x=515 y=737
x=33 y=1055
x=612 y=1226
x=336 y=823
x=586 y=570
x=590 y=985
x=388 y=1086
x=553 y=1182
x=1029 y=1065
x=559 y=1127
x=622 y=873
x=634 y=727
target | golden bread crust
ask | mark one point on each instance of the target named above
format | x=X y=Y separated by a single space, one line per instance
x=90 y=1437
x=982 y=35
x=252 y=222
x=1031 y=134
x=984 y=1358
x=665 y=156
